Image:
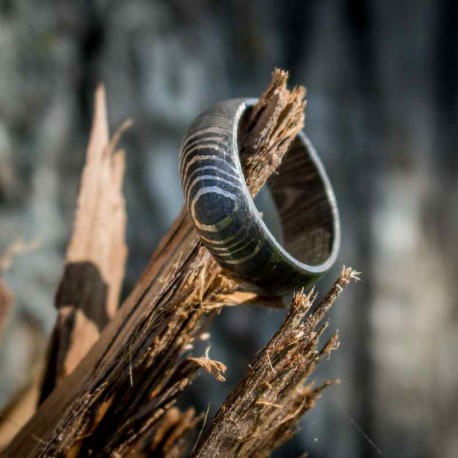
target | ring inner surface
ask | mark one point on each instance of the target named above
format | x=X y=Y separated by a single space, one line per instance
x=305 y=210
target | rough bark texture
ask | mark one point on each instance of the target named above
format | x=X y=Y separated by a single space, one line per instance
x=263 y=410
x=88 y=293
x=132 y=375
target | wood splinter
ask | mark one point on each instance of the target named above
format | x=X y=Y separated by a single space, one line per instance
x=123 y=390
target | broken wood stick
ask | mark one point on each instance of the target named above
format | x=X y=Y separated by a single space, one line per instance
x=263 y=410
x=132 y=375
x=88 y=293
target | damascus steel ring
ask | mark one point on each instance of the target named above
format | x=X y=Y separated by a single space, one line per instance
x=228 y=222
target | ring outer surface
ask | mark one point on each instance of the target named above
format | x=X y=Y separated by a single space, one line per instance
x=223 y=211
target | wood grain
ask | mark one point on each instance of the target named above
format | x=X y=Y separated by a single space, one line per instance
x=88 y=293
x=132 y=375
x=263 y=410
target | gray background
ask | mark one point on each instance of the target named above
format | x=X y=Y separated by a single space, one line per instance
x=382 y=80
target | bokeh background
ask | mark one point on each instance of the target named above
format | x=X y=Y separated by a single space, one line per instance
x=382 y=80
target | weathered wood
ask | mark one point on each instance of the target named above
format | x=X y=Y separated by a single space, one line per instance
x=6 y=304
x=263 y=410
x=88 y=293
x=132 y=375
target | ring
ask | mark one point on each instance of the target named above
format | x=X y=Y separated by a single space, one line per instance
x=229 y=224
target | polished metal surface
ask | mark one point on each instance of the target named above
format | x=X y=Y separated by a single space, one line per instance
x=228 y=222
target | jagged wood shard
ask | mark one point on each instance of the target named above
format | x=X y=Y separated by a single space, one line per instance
x=130 y=378
x=262 y=412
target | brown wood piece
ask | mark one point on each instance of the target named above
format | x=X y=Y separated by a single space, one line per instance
x=263 y=410
x=134 y=369
x=88 y=293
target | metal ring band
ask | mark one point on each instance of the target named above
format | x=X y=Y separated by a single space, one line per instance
x=228 y=222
